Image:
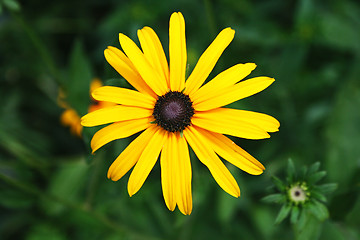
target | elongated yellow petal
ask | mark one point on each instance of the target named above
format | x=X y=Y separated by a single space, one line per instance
x=260 y=120
x=221 y=146
x=114 y=114
x=146 y=161
x=167 y=174
x=177 y=51
x=147 y=72
x=176 y=173
x=118 y=130
x=236 y=148
x=154 y=52
x=208 y=60
x=208 y=157
x=215 y=122
x=117 y=59
x=182 y=174
x=127 y=159
x=124 y=96
x=223 y=80
x=234 y=93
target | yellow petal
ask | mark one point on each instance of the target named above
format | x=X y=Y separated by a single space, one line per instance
x=95 y=83
x=208 y=60
x=147 y=72
x=177 y=51
x=154 y=52
x=114 y=114
x=167 y=174
x=224 y=79
x=118 y=130
x=182 y=173
x=224 y=147
x=127 y=159
x=208 y=157
x=234 y=93
x=260 y=120
x=147 y=160
x=215 y=122
x=176 y=173
x=124 y=96
x=117 y=59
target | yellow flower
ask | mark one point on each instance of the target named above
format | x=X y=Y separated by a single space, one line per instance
x=70 y=118
x=174 y=113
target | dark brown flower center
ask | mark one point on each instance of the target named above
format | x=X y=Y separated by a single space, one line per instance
x=173 y=111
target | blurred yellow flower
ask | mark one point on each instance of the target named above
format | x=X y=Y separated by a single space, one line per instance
x=70 y=118
x=174 y=113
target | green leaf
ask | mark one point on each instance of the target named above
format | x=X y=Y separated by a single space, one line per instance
x=67 y=183
x=77 y=86
x=337 y=30
x=274 y=198
x=303 y=216
x=294 y=214
x=311 y=229
x=343 y=130
x=12 y=5
x=291 y=173
x=45 y=231
x=316 y=177
x=314 y=168
x=284 y=212
x=278 y=183
x=327 y=187
x=319 y=210
x=303 y=173
x=318 y=195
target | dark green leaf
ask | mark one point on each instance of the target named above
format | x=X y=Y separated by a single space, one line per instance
x=318 y=209
x=291 y=173
x=275 y=198
x=303 y=173
x=294 y=214
x=303 y=216
x=12 y=5
x=311 y=229
x=327 y=188
x=278 y=183
x=318 y=195
x=316 y=177
x=284 y=212
x=314 y=168
x=77 y=86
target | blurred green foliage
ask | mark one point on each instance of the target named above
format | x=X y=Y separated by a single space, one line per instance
x=52 y=188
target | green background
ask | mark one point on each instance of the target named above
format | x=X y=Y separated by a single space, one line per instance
x=51 y=187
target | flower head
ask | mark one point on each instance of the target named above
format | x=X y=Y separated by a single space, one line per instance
x=173 y=113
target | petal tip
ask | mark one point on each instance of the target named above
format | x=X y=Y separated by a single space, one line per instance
x=252 y=66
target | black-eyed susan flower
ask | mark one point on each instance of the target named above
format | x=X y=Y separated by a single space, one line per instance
x=173 y=113
x=70 y=118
